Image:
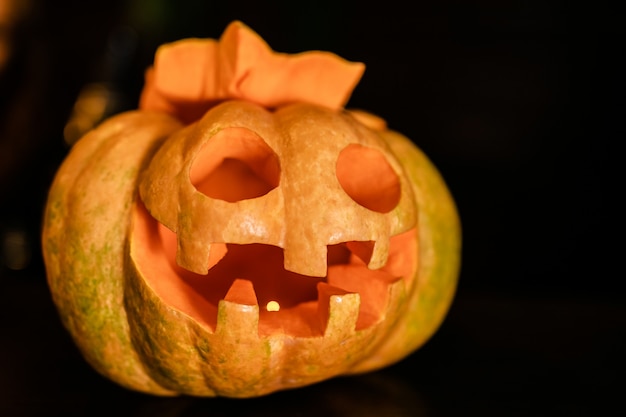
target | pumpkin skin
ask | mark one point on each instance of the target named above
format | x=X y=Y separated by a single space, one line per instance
x=164 y=276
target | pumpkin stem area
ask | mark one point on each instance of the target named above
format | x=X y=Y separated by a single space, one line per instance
x=254 y=275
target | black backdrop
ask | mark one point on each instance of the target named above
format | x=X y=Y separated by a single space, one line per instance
x=519 y=104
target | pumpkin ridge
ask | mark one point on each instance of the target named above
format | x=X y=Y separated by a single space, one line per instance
x=98 y=330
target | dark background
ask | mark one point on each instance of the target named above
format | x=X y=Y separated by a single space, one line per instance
x=520 y=104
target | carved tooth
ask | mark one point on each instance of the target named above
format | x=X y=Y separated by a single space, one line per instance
x=372 y=286
x=396 y=291
x=338 y=310
x=380 y=253
x=238 y=312
x=192 y=255
x=314 y=264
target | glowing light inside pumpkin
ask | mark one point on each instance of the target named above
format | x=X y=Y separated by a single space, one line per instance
x=272 y=306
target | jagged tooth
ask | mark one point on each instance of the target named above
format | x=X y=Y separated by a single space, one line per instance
x=395 y=293
x=238 y=312
x=380 y=253
x=338 y=310
x=374 y=287
x=313 y=264
x=192 y=255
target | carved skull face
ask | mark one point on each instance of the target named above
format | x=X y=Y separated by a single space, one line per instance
x=309 y=187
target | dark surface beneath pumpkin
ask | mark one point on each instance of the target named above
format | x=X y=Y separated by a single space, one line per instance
x=495 y=355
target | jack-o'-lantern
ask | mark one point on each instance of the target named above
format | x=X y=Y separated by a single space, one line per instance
x=241 y=232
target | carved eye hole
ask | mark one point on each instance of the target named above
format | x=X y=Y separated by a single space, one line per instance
x=234 y=165
x=367 y=178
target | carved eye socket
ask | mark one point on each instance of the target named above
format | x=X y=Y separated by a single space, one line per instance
x=234 y=165
x=367 y=178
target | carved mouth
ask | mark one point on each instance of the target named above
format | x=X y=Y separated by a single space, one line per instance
x=253 y=275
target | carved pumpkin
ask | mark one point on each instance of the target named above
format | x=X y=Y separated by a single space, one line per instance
x=238 y=240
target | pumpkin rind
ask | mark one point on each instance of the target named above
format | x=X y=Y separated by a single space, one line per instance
x=86 y=217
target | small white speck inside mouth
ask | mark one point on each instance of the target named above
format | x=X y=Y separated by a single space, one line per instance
x=272 y=306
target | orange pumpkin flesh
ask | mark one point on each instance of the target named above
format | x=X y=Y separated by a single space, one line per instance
x=251 y=248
